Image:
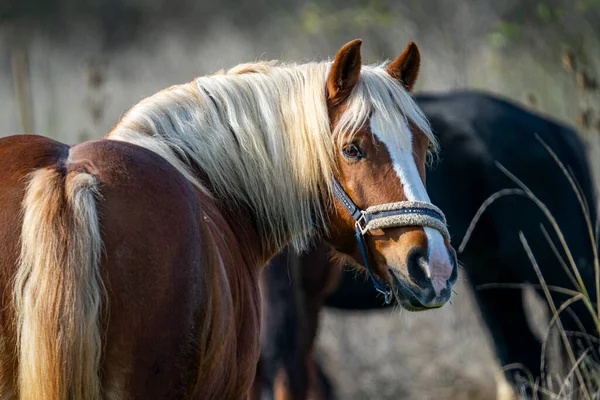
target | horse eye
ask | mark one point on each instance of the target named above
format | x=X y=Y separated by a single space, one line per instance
x=352 y=152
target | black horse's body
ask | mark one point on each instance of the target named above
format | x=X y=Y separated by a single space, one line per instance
x=475 y=131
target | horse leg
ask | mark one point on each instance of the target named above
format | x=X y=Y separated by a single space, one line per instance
x=320 y=387
x=293 y=288
x=323 y=382
x=319 y=277
x=514 y=342
x=281 y=370
x=259 y=383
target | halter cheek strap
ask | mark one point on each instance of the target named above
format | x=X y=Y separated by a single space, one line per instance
x=389 y=215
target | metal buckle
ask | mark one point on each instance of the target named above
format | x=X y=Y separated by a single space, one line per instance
x=387 y=296
x=363 y=226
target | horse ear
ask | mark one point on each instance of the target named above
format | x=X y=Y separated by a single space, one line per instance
x=344 y=72
x=406 y=67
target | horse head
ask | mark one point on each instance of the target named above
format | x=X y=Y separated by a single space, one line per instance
x=383 y=218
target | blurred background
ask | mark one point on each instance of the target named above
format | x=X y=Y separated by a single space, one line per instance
x=70 y=68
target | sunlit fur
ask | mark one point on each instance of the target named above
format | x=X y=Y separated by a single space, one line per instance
x=58 y=290
x=263 y=137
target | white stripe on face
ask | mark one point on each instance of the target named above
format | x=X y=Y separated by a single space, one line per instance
x=401 y=153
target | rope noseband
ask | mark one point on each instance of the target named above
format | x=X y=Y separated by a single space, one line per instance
x=389 y=215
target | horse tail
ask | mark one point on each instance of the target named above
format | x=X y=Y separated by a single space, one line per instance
x=58 y=291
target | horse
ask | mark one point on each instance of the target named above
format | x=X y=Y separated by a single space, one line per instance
x=130 y=264
x=475 y=130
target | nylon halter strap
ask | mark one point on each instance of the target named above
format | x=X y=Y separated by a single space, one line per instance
x=389 y=215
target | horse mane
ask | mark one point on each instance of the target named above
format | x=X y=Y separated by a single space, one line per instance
x=261 y=133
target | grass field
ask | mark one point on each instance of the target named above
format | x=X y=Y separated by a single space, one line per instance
x=440 y=354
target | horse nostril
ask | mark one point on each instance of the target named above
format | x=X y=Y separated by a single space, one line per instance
x=445 y=292
x=454 y=262
x=418 y=269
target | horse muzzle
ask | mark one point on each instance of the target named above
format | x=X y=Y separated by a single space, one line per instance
x=436 y=288
x=424 y=284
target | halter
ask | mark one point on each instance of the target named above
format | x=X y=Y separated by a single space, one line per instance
x=389 y=215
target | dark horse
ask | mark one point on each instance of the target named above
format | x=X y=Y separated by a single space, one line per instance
x=475 y=130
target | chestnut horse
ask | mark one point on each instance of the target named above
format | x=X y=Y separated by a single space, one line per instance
x=129 y=265
x=475 y=130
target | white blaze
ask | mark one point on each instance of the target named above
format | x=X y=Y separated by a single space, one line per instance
x=401 y=153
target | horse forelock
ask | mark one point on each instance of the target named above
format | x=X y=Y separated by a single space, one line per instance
x=262 y=135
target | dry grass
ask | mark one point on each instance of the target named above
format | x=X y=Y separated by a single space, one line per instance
x=440 y=354
x=583 y=377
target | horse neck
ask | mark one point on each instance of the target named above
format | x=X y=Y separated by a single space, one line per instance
x=264 y=193
x=243 y=167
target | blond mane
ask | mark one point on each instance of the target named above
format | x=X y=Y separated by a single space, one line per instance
x=261 y=133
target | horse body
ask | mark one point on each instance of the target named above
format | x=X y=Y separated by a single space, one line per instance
x=130 y=264
x=168 y=274
x=184 y=299
x=475 y=130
